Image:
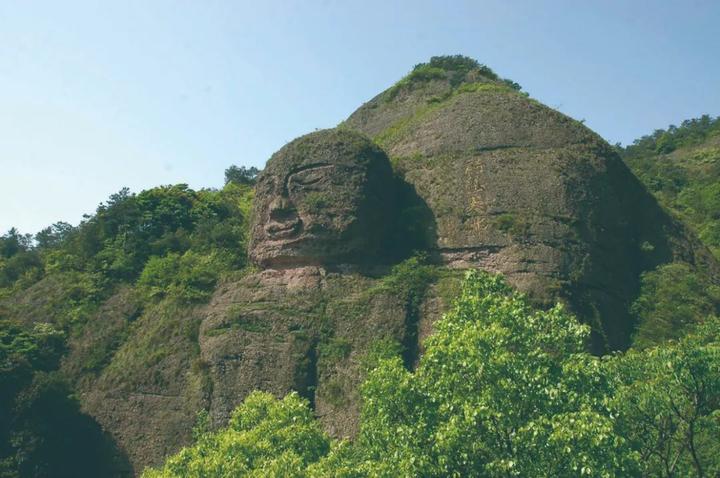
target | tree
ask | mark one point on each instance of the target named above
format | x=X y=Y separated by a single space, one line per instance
x=665 y=144
x=672 y=299
x=266 y=437
x=53 y=236
x=667 y=401
x=501 y=391
x=12 y=242
x=18 y=259
x=241 y=175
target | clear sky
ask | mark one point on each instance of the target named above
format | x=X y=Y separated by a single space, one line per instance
x=97 y=95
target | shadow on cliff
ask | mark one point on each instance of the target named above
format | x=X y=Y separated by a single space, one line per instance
x=414 y=230
x=637 y=236
x=414 y=233
x=53 y=438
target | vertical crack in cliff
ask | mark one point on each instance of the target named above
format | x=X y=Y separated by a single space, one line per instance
x=306 y=379
x=411 y=343
x=416 y=291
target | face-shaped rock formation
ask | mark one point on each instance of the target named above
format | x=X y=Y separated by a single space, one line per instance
x=325 y=198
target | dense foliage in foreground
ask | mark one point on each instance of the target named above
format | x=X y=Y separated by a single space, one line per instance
x=502 y=390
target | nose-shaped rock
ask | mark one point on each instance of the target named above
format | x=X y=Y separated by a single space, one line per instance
x=281 y=209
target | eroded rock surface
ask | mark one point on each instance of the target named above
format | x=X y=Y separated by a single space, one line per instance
x=305 y=329
x=324 y=198
x=518 y=188
x=323 y=214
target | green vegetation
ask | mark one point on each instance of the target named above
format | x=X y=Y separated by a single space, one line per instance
x=236 y=319
x=673 y=298
x=410 y=279
x=116 y=244
x=456 y=69
x=129 y=230
x=512 y=224
x=265 y=438
x=668 y=404
x=37 y=412
x=316 y=201
x=334 y=349
x=502 y=390
x=388 y=135
x=189 y=277
x=681 y=166
x=241 y=175
x=425 y=72
x=169 y=245
x=18 y=260
x=693 y=132
x=497 y=380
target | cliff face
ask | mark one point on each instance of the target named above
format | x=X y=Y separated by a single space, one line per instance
x=307 y=329
x=518 y=188
x=327 y=297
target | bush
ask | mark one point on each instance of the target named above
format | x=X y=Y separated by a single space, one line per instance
x=425 y=72
x=189 y=277
x=453 y=67
x=673 y=298
x=266 y=437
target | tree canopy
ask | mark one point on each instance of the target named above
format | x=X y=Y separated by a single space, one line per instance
x=502 y=390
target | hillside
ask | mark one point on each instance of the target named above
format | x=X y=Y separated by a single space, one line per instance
x=119 y=296
x=167 y=308
x=681 y=167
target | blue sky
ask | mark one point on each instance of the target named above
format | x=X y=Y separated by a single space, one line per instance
x=97 y=95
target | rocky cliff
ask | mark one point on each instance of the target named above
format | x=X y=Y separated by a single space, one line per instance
x=519 y=188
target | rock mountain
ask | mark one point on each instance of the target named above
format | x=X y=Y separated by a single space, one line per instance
x=359 y=236
x=516 y=187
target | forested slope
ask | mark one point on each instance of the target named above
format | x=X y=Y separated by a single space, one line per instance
x=681 y=167
x=104 y=305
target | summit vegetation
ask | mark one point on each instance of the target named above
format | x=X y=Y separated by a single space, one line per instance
x=454 y=68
